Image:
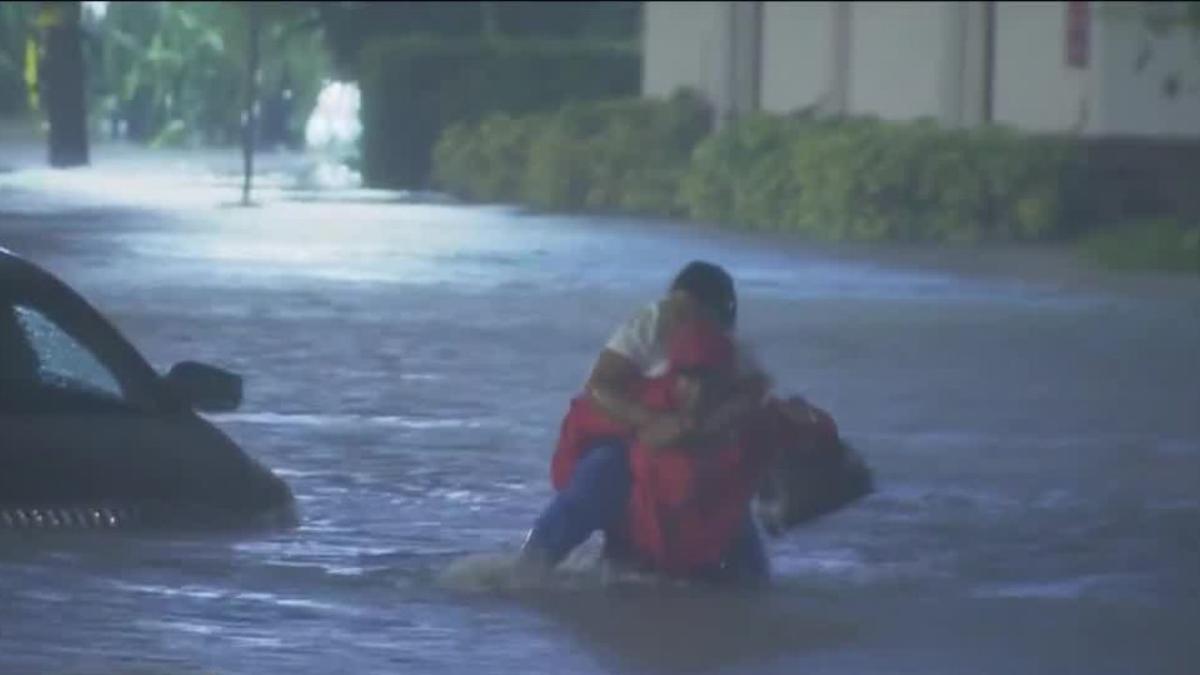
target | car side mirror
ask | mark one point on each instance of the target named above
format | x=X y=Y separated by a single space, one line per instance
x=204 y=387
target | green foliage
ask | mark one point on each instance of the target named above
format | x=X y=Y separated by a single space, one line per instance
x=573 y=20
x=160 y=65
x=349 y=26
x=16 y=27
x=486 y=161
x=865 y=179
x=844 y=179
x=715 y=187
x=414 y=88
x=174 y=135
x=1163 y=244
x=626 y=155
x=623 y=156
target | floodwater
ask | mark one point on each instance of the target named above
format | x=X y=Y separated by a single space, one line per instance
x=1035 y=436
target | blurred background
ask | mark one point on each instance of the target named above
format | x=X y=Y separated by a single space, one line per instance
x=1009 y=121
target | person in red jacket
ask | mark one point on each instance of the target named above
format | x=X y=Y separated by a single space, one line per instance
x=688 y=510
x=691 y=501
x=593 y=485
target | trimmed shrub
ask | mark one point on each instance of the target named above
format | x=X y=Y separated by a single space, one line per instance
x=741 y=174
x=486 y=162
x=413 y=88
x=622 y=156
x=1161 y=244
x=835 y=179
x=865 y=179
x=618 y=156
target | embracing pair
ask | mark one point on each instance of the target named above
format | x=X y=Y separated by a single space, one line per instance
x=675 y=435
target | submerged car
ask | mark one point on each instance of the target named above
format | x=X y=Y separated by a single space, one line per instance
x=92 y=437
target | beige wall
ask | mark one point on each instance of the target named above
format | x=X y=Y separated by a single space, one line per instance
x=964 y=45
x=709 y=46
x=1034 y=88
x=1135 y=102
x=905 y=60
x=896 y=59
x=797 y=54
x=682 y=45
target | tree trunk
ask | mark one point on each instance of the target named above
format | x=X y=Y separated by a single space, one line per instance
x=64 y=81
x=249 y=122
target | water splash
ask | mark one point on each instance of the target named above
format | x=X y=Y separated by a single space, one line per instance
x=334 y=125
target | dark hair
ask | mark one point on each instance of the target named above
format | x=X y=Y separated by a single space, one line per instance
x=712 y=287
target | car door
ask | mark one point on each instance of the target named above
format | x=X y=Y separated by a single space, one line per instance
x=86 y=433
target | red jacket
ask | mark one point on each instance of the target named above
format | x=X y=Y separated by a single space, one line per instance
x=685 y=508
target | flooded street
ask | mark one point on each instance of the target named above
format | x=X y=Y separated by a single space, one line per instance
x=1036 y=443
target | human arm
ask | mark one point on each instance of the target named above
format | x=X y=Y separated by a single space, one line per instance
x=747 y=393
x=612 y=386
x=634 y=350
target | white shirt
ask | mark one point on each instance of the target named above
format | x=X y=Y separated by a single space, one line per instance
x=641 y=340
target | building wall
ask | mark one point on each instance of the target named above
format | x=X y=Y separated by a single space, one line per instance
x=797 y=54
x=963 y=64
x=1034 y=88
x=683 y=46
x=1134 y=101
x=904 y=60
x=745 y=35
x=896 y=56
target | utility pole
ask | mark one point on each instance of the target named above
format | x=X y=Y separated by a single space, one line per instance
x=249 y=121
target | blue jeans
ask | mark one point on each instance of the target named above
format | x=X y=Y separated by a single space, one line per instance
x=596 y=499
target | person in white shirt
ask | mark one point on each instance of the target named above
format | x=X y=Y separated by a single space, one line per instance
x=598 y=492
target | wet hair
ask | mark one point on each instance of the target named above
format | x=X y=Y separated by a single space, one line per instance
x=712 y=287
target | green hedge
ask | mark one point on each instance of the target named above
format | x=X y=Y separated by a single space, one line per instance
x=413 y=88
x=1161 y=244
x=865 y=179
x=625 y=156
x=853 y=179
x=486 y=162
x=717 y=187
